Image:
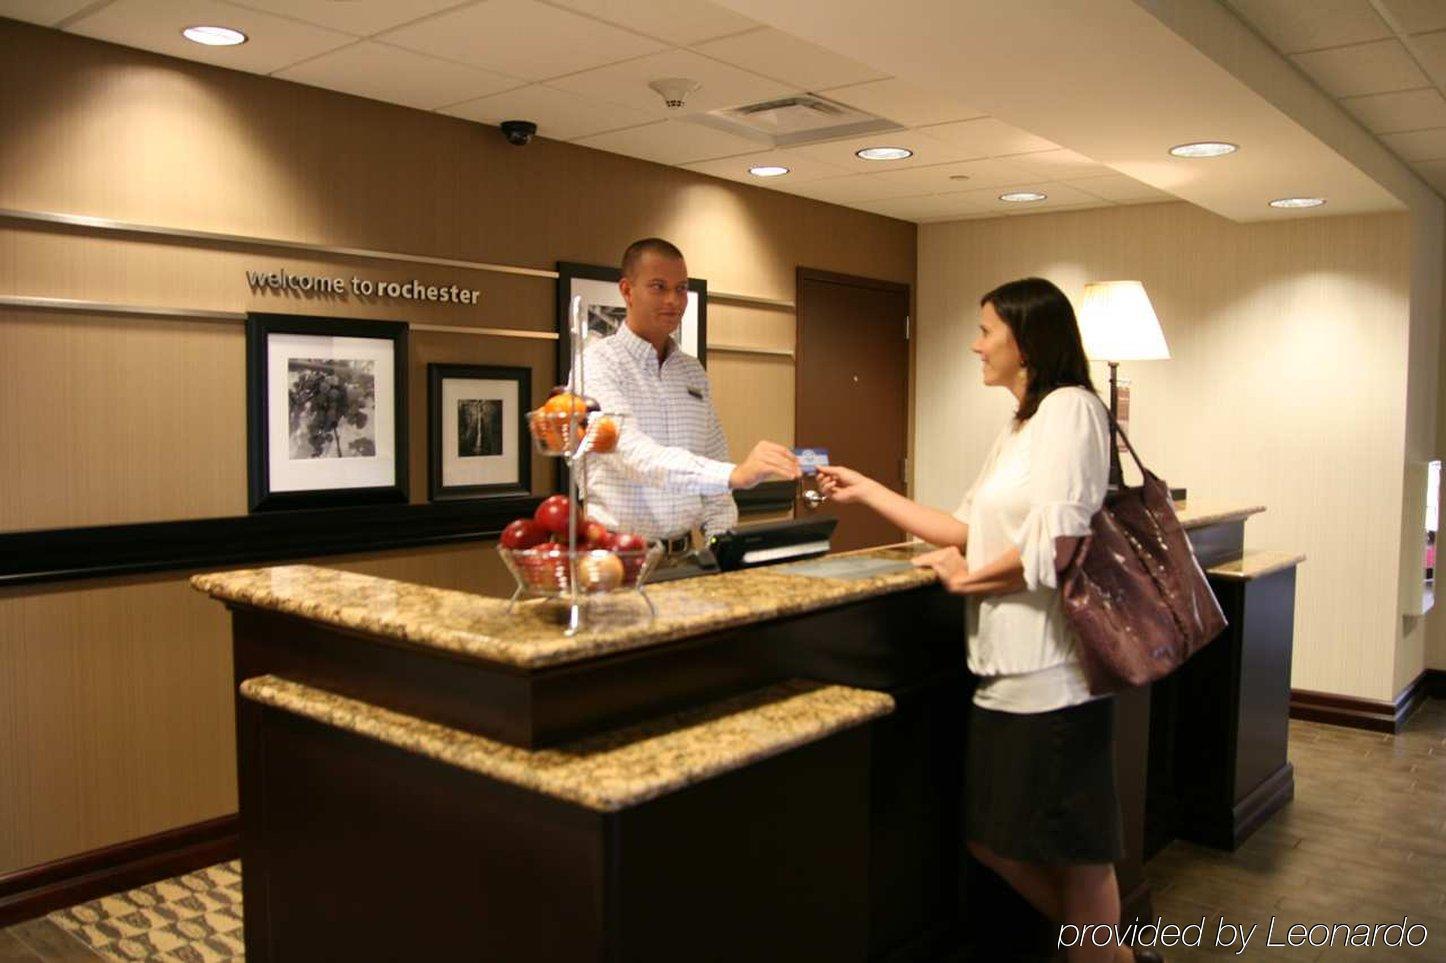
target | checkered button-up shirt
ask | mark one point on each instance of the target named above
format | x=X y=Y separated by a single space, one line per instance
x=670 y=471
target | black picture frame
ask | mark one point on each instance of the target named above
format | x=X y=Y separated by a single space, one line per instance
x=263 y=495
x=437 y=376
x=570 y=271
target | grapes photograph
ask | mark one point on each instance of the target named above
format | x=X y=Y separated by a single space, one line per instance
x=326 y=411
x=331 y=402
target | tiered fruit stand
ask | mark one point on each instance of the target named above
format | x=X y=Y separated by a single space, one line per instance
x=574 y=431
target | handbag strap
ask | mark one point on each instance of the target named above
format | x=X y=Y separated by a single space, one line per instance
x=1114 y=452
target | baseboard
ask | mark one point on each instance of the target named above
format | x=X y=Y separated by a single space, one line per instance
x=1370 y=714
x=32 y=892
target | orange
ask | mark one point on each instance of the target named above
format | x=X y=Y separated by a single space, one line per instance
x=604 y=435
x=553 y=426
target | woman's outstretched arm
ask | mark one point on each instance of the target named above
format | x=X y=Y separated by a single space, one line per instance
x=848 y=487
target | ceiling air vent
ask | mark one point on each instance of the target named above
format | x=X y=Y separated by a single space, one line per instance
x=804 y=119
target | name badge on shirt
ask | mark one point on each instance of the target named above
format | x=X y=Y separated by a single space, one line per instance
x=696 y=393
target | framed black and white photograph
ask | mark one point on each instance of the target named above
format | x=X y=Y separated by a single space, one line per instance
x=606 y=310
x=325 y=411
x=478 y=444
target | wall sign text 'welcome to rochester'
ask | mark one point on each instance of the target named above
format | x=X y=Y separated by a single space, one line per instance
x=284 y=280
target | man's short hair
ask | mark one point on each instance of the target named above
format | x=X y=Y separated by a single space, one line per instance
x=648 y=245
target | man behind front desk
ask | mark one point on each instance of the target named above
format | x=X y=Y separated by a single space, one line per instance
x=670 y=472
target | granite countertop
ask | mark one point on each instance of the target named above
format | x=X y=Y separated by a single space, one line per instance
x=613 y=770
x=1199 y=512
x=1256 y=565
x=530 y=636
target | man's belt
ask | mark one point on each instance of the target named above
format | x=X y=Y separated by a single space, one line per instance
x=678 y=544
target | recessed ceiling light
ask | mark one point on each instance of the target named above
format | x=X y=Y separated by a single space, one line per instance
x=884 y=153
x=768 y=171
x=958 y=177
x=1297 y=202
x=1022 y=197
x=1204 y=148
x=214 y=36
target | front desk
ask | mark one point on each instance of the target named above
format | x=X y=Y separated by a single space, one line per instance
x=770 y=769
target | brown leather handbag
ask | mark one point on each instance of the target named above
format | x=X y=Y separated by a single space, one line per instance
x=1134 y=592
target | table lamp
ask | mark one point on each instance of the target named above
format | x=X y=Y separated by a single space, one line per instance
x=1118 y=323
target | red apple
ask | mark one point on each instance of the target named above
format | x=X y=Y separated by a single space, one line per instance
x=629 y=542
x=593 y=534
x=522 y=534
x=552 y=514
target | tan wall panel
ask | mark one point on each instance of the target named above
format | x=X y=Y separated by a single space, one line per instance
x=1285 y=387
x=755 y=395
x=106 y=420
x=115 y=702
x=743 y=326
x=115 y=696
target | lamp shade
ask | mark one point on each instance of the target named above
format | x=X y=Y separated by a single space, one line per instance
x=1118 y=323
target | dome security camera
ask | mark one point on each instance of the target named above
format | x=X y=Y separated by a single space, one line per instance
x=519 y=133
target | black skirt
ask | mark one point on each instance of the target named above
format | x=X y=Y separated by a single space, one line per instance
x=1041 y=786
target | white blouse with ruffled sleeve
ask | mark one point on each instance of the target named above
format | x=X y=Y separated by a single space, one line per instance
x=1041 y=481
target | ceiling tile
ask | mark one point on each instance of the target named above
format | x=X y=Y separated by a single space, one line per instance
x=776 y=54
x=1121 y=188
x=1058 y=195
x=918 y=208
x=679 y=22
x=926 y=150
x=854 y=187
x=1431 y=49
x=273 y=42
x=1416 y=16
x=359 y=19
x=627 y=83
x=399 y=76
x=558 y=114
x=1364 y=68
x=1418 y=145
x=800 y=169
x=987 y=137
x=1409 y=110
x=1061 y=164
x=902 y=102
x=521 y=38
x=47 y=13
x=1297 y=25
x=951 y=178
x=670 y=142
x=1435 y=174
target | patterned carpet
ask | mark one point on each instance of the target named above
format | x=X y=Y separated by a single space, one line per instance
x=194 y=918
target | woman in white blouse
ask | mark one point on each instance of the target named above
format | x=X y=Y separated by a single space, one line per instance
x=1042 y=809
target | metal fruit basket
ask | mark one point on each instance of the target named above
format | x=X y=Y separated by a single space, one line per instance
x=564 y=434
x=570 y=430
x=548 y=570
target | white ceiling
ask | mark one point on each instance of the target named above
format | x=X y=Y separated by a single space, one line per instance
x=1384 y=61
x=580 y=69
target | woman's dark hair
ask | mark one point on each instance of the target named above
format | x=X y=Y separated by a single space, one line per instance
x=1042 y=321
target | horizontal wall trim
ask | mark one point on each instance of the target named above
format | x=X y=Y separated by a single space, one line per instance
x=56 y=555
x=28 y=893
x=751 y=300
x=214 y=237
x=74 y=306
x=109 y=225
x=749 y=349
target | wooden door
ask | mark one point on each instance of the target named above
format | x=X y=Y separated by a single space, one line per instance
x=852 y=387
